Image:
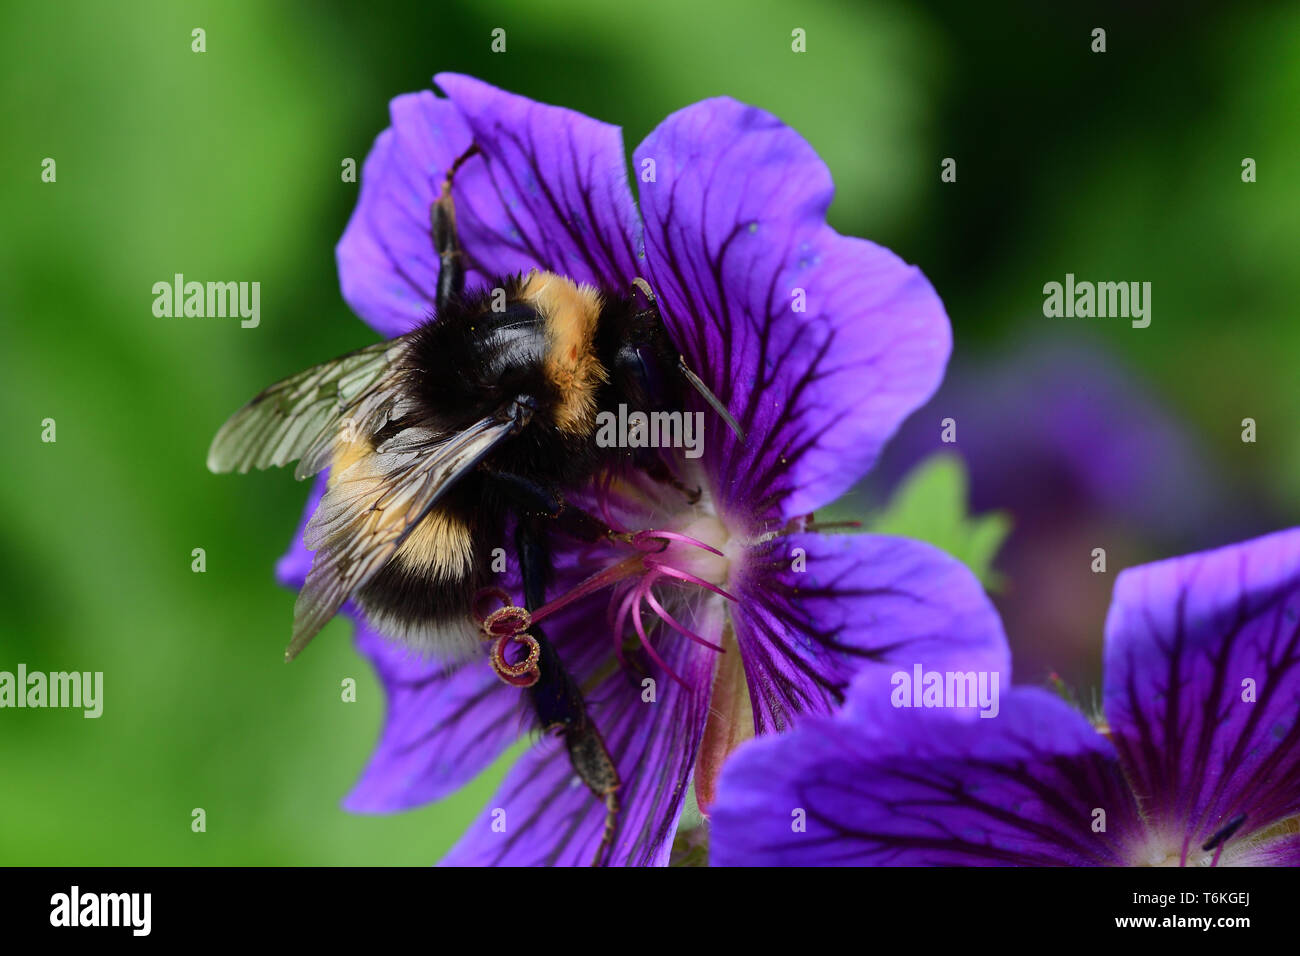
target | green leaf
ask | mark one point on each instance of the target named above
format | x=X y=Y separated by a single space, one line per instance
x=930 y=505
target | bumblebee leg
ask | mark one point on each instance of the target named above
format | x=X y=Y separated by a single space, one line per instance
x=556 y=697
x=534 y=560
x=451 y=269
x=538 y=501
x=590 y=758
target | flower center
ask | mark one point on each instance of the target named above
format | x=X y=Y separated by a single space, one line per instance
x=695 y=551
x=710 y=565
x=1163 y=850
x=1159 y=852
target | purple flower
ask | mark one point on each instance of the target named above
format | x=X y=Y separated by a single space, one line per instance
x=1088 y=441
x=1195 y=762
x=1077 y=450
x=819 y=344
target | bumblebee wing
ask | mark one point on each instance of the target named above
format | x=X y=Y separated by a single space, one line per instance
x=370 y=508
x=300 y=417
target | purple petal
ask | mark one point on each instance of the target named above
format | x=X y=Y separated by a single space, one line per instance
x=440 y=731
x=442 y=726
x=388 y=269
x=885 y=786
x=553 y=193
x=1088 y=439
x=552 y=819
x=861 y=603
x=1188 y=642
x=1275 y=849
x=736 y=234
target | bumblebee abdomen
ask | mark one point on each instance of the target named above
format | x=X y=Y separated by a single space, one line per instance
x=423 y=597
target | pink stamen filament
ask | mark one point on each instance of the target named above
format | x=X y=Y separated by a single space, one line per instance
x=601 y=579
x=678 y=573
x=633 y=603
x=642 y=536
x=509 y=622
x=673 y=623
x=617 y=624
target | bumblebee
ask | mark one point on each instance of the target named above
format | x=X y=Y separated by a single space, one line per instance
x=434 y=440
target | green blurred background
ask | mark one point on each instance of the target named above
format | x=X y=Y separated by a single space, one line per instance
x=225 y=165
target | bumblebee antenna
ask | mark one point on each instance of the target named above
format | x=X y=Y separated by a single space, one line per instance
x=697 y=383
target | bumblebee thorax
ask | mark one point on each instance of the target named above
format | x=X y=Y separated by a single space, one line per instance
x=531 y=335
